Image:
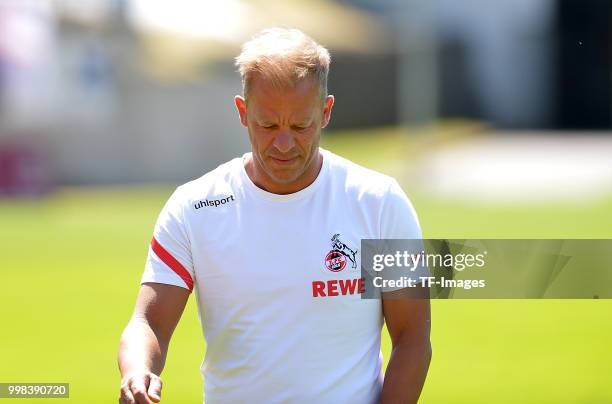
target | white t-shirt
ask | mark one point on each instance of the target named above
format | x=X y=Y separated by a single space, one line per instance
x=277 y=280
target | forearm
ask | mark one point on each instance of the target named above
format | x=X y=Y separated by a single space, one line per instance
x=406 y=373
x=141 y=349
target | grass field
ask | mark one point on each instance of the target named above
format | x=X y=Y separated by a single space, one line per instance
x=70 y=269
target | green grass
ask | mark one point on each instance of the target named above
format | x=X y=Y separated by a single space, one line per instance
x=71 y=266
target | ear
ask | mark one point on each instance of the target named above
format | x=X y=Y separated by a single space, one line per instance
x=240 y=103
x=327 y=109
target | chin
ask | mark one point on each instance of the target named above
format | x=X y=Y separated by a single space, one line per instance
x=284 y=175
x=284 y=178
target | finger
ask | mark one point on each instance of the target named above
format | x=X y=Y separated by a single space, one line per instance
x=139 y=390
x=155 y=387
x=126 y=396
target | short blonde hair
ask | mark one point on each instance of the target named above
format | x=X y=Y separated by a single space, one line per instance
x=283 y=56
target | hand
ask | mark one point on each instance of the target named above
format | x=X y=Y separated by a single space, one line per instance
x=140 y=388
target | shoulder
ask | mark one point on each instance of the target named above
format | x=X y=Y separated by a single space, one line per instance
x=217 y=183
x=375 y=195
x=357 y=180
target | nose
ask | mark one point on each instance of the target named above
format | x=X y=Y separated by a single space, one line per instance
x=284 y=141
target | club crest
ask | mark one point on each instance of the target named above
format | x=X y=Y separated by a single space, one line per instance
x=341 y=254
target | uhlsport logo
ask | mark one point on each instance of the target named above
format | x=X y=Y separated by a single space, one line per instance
x=214 y=203
x=336 y=259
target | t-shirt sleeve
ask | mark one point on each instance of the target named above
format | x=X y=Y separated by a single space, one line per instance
x=169 y=259
x=399 y=221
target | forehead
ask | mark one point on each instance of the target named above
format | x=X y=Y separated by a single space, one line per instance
x=267 y=100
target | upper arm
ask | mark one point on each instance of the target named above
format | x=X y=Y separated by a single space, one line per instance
x=407 y=315
x=169 y=259
x=406 y=311
x=161 y=306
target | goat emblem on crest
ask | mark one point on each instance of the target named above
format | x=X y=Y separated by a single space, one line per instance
x=335 y=260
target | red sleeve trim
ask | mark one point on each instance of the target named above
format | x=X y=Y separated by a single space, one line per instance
x=172 y=263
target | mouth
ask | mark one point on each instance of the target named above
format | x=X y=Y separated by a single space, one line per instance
x=283 y=161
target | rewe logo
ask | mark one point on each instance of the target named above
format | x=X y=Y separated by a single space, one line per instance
x=214 y=203
x=338 y=287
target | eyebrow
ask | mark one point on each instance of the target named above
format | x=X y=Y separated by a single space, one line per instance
x=304 y=122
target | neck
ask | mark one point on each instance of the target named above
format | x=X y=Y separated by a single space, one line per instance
x=262 y=180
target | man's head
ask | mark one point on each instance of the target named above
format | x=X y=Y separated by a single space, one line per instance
x=283 y=57
x=284 y=107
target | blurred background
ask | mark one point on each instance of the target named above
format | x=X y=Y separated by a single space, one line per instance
x=495 y=116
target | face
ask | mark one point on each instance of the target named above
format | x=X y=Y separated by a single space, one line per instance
x=284 y=128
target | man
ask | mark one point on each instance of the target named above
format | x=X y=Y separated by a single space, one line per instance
x=280 y=305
